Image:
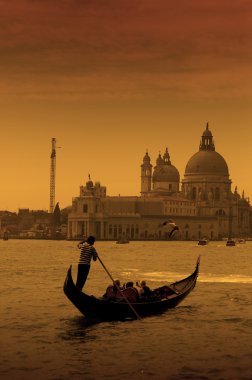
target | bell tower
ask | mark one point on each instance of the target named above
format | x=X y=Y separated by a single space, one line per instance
x=146 y=174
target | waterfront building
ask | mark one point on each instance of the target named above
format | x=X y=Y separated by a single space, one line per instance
x=204 y=206
x=33 y=224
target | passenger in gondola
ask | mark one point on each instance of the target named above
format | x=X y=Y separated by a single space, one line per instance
x=145 y=290
x=130 y=292
x=114 y=290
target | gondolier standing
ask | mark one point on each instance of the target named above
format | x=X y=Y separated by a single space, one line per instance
x=87 y=253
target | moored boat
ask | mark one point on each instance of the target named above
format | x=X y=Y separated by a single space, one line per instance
x=203 y=242
x=230 y=242
x=241 y=241
x=163 y=298
x=122 y=242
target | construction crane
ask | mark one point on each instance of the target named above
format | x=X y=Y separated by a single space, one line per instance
x=52 y=175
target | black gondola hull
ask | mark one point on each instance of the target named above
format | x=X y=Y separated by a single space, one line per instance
x=102 y=309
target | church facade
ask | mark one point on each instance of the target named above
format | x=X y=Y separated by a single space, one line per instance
x=202 y=204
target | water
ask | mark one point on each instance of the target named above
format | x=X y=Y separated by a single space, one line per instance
x=208 y=336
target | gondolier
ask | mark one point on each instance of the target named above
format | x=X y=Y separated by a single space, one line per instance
x=87 y=253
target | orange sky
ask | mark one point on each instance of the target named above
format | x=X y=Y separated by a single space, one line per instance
x=110 y=79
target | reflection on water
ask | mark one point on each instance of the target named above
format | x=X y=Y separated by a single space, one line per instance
x=208 y=336
x=76 y=328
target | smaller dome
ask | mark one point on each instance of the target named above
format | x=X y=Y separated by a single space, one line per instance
x=166 y=173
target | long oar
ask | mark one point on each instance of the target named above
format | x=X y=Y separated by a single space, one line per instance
x=126 y=299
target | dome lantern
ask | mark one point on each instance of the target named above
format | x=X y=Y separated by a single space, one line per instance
x=89 y=183
x=159 y=160
x=207 y=142
x=166 y=157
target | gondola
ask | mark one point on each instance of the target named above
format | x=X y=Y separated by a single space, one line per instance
x=163 y=298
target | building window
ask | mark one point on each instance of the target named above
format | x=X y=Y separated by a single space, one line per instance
x=220 y=213
x=194 y=193
x=132 y=232
x=127 y=230
x=85 y=208
x=120 y=230
x=217 y=194
x=115 y=231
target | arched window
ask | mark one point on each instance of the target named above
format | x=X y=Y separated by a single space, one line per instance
x=220 y=213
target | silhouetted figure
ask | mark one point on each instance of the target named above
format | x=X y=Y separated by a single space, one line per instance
x=87 y=253
x=113 y=290
x=145 y=290
x=130 y=292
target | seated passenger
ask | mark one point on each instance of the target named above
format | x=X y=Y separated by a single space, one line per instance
x=114 y=290
x=130 y=292
x=129 y=284
x=145 y=290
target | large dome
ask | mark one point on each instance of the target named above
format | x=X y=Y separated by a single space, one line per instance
x=207 y=162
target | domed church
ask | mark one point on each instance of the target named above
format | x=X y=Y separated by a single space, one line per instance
x=206 y=175
x=204 y=206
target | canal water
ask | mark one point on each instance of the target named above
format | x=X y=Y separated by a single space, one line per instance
x=208 y=336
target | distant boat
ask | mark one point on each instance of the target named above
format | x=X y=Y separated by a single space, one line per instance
x=230 y=242
x=203 y=242
x=241 y=241
x=122 y=241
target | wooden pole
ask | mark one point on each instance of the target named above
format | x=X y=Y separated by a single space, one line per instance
x=114 y=283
